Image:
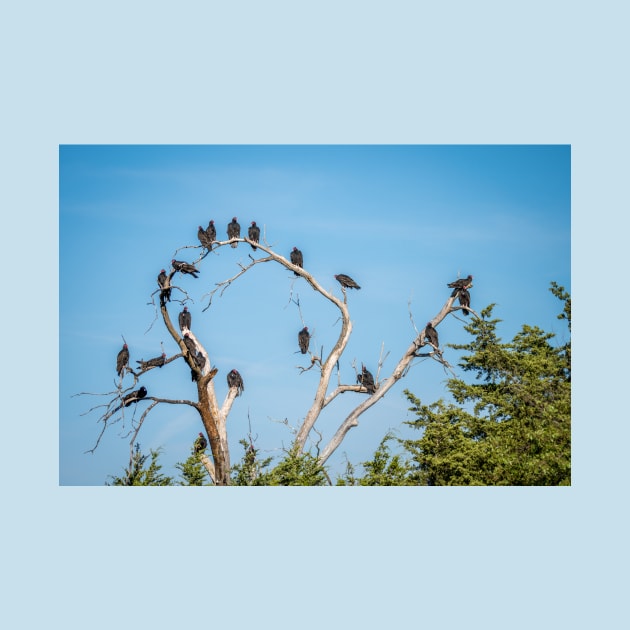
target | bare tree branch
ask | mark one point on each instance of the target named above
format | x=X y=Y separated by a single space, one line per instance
x=385 y=385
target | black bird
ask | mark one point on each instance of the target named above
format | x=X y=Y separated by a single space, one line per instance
x=201 y=444
x=164 y=282
x=366 y=379
x=200 y=360
x=253 y=233
x=202 y=235
x=134 y=397
x=122 y=360
x=297 y=259
x=346 y=281
x=461 y=283
x=431 y=335
x=157 y=362
x=234 y=379
x=234 y=230
x=190 y=344
x=185 y=267
x=211 y=233
x=464 y=300
x=304 y=339
x=185 y=319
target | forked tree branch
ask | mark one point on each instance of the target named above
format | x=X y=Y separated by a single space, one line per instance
x=402 y=367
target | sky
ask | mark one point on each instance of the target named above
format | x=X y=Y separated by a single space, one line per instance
x=402 y=220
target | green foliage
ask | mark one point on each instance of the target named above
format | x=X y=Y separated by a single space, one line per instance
x=511 y=428
x=192 y=471
x=248 y=472
x=384 y=469
x=295 y=469
x=141 y=476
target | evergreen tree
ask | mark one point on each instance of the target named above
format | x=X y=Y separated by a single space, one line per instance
x=138 y=475
x=384 y=469
x=295 y=469
x=192 y=471
x=511 y=427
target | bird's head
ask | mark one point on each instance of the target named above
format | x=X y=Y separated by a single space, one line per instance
x=211 y=221
x=253 y=223
x=162 y=271
x=233 y=219
x=124 y=346
x=185 y=309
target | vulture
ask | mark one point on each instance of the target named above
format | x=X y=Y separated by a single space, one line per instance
x=211 y=233
x=164 y=282
x=200 y=360
x=461 y=283
x=122 y=360
x=185 y=319
x=190 y=344
x=297 y=259
x=185 y=267
x=253 y=234
x=250 y=455
x=157 y=362
x=234 y=380
x=304 y=339
x=346 y=281
x=464 y=300
x=202 y=235
x=431 y=335
x=201 y=444
x=234 y=230
x=366 y=379
x=134 y=397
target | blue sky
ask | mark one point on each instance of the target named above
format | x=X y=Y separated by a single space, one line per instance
x=402 y=220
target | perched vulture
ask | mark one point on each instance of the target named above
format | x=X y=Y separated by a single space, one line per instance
x=297 y=259
x=122 y=360
x=185 y=319
x=234 y=380
x=203 y=238
x=164 y=282
x=346 y=281
x=134 y=397
x=304 y=339
x=234 y=230
x=461 y=283
x=431 y=335
x=464 y=300
x=201 y=444
x=211 y=233
x=157 y=362
x=366 y=379
x=250 y=455
x=190 y=344
x=185 y=267
x=200 y=360
x=253 y=234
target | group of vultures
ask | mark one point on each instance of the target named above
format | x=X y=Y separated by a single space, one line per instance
x=207 y=238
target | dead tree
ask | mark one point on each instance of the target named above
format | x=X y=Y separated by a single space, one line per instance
x=214 y=415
